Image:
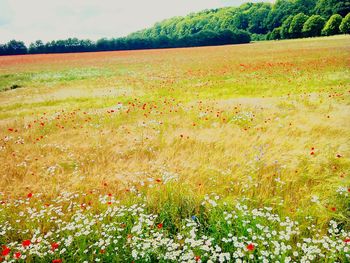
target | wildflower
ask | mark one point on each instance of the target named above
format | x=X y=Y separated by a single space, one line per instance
x=250 y=247
x=5 y=251
x=158 y=180
x=57 y=261
x=17 y=255
x=10 y=129
x=54 y=246
x=197 y=258
x=26 y=243
x=160 y=225
x=194 y=218
x=334 y=209
x=347 y=240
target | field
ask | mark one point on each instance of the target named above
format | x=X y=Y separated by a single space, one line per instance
x=213 y=154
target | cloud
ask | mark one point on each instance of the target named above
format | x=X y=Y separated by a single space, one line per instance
x=30 y=20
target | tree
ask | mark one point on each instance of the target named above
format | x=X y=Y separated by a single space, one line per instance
x=332 y=25
x=326 y=8
x=345 y=25
x=313 y=26
x=296 y=26
x=37 y=47
x=275 y=34
x=285 y=28
x=15 y=47
x=279 y=13
x=257 y=18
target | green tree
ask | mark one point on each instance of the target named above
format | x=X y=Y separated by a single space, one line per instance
x=276 y=33
x=296 y=26
x=15 y=47
x=285 y=28
x=345 y=25
x=37 y=47
x=326 y=8
x=313 y=26
x=332 y=25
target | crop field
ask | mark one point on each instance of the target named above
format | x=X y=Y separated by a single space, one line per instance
x=214 y=154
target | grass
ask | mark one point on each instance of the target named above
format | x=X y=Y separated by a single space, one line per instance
x=195 y=154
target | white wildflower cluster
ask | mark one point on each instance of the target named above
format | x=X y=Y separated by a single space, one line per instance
x=344 y=191
x=69 y=228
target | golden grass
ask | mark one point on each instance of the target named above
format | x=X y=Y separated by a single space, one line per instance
x=235 y=120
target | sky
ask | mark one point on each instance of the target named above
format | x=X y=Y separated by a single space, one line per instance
x=30 y=20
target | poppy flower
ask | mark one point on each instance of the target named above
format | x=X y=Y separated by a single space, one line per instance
x=26 y=243
x=347 y=240
x=250 y=247
x=197 y=258
x=158 y=180
x=5 y=251
x=54 y=246
x=30 y=195
x=17 y=255
x=57 y=261
x=10 y=129
x=160 y=225
x=334 y=209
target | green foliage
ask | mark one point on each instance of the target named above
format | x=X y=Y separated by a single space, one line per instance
x=296 y=25
x=328 y=7
x=276 y=33
x=13 y=47
x=332 y=25
x=285 y=28
x=345 y=25
x=313 y=26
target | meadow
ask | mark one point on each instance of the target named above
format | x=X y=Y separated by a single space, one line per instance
x=213 y=154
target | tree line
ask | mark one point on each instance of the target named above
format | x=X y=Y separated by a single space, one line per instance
x=283 y=19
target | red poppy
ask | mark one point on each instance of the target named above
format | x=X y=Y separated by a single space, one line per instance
x=10 y=129
x=109 y=203
x=57 y=261
x=197 y=258
x=30 y=195
x=17 y=255
x=54 y=246
x=158 y=180
x=347 y=240
x=250 y=247
x=160 y=225
x=26 y=243
x=312 y=153
x=5 y=251
x=333 y=209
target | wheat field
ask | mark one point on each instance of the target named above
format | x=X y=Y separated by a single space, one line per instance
x=214 y=154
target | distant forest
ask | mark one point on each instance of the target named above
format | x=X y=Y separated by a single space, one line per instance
x=284 y=19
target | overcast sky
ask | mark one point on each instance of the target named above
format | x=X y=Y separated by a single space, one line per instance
x=29 y=20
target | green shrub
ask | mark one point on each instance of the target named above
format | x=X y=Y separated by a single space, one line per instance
x=345 y=25
x=332 y=25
